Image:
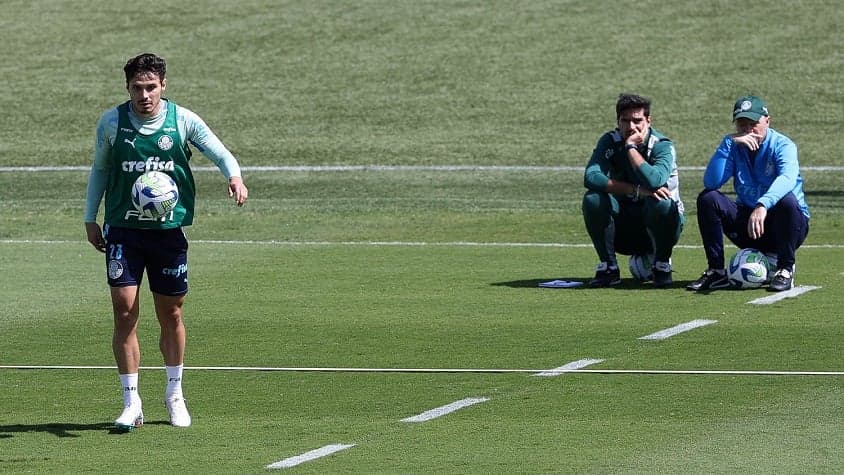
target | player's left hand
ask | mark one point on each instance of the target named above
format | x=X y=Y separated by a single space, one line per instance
x=749 y=140
x=661 y=193
x=638 y=137
x=238 y=190
x=756 y=223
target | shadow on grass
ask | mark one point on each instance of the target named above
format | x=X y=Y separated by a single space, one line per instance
x=626 y=284
x=534 y=283
x=60 y=429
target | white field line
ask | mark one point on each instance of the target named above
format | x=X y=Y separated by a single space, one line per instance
x=308 y=456
x=405 y=243
x=579 y=364
x=683 y=327
x=447 y=409
x=385 y=243
x=442 y=370
x=385 y=168
x=788 y=294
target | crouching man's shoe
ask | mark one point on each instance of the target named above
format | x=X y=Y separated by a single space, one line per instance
x=710 y=280
x=783 y=280
x=662 y=275
x=605 y=276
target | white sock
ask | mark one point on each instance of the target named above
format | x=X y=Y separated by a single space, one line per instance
x=174 y=382
x=129 y=382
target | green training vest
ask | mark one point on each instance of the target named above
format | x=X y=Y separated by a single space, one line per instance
x=133 y=154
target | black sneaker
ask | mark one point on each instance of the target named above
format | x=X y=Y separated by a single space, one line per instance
x=662 y=275
x=605 y=276
x=783 y=280
x=710 y=280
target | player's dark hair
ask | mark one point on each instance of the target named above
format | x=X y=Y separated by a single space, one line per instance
x=628 y=101
x=146 y=63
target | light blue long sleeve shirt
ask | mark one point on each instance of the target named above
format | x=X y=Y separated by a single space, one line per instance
x=766 y=179
x=191 y=128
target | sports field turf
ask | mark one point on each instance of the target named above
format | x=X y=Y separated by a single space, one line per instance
x=341 y=301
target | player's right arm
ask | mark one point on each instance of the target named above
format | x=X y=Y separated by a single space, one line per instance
x=720 y=167
x=98 y=178
x=597 y=177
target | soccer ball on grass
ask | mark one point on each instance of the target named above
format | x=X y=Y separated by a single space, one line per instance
x=641 y=267
x=155 y=194
x=748 y=269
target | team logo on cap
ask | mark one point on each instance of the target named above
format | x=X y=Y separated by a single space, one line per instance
x=746 y=105
x=165 y=142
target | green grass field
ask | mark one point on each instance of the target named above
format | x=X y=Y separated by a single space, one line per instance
x=418 y=268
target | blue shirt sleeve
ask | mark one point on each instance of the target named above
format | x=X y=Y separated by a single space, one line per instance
x=720 y=167
x=787 y=170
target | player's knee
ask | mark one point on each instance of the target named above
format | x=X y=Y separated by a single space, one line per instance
x=707 y=198
x=169 y=314
x=660 y=210
x=595 y=203
x=125 y=319
x=787 y=202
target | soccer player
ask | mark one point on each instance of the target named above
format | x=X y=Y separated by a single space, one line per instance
x=149 y=132
x=633 y=204
x=770 y=212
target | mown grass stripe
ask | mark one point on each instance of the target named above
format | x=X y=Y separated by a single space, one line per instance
x=387 y=243
x=729 y=372
x=385 y=168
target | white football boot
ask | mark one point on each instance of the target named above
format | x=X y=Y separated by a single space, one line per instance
x=179 y=415
x=132 y=416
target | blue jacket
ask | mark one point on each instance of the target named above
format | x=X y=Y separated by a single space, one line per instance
x=773 y=173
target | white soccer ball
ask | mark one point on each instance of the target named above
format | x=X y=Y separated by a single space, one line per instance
x=772 y=262
x=748 y=269
x=641 y=267
x=155 y=194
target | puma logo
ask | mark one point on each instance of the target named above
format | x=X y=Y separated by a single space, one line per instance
x=130 y=142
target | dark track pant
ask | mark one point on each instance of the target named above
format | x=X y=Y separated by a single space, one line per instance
x=643 y=227
x=786 y=228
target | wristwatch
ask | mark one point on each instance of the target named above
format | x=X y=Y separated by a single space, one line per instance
x=629 y=146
